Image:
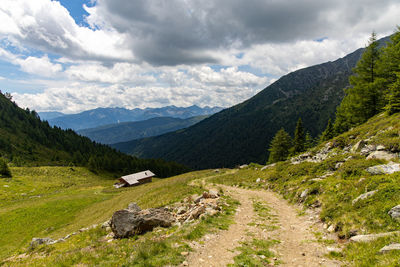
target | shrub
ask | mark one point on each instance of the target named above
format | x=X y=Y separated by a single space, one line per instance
x=4 y=170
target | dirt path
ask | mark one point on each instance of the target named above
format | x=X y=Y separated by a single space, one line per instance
x=298 y=246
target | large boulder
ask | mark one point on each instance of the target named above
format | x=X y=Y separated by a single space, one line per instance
x=389 y=168
x=40 y=241
x=125 y=223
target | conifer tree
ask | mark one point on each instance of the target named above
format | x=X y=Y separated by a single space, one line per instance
x=328 y=133
x=394 y=97
x=4 y=170
x=364 y=98
x=280 y=146
x=299 y=138
x=309 y=141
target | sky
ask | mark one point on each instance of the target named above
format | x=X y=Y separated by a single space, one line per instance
x=75 y=55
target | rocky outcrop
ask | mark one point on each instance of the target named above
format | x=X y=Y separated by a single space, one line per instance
x=364 y=196
x=125 y=223
x=40 y=241
x=389 y=168
x=371 y=237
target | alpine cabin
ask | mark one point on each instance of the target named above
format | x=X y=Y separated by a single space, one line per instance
x=135 y=179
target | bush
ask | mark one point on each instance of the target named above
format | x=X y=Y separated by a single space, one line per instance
x=4 y=170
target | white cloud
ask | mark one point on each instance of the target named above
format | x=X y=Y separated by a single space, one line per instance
x=39 y=66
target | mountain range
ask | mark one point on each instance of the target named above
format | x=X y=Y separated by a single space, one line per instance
x=242 y=133
x=105 y=116
x=126 y=131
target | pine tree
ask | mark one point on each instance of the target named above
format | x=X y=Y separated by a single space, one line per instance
x=394 y=97
x=4 y=170
x=299 y=138
x=328 y=133
x=364 y=98
x=280 y=146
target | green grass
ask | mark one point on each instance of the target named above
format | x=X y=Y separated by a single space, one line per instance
x=255 y=253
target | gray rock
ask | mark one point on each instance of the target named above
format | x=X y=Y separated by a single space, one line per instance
x=125 y=223
x=371 y=237
x=105 y=224
x=380 y=147
x=388 y=248
x=367 y=149
x=395 y=212
x=40 y=241
x=389 y=168
x=331 y=228
x=358 y=146
x=304 y=194
x=364 y=196
x=382 y=155
x=243 y=166
x=133 y=207
x=338 y=165
x=213 y=193
x=258 y=180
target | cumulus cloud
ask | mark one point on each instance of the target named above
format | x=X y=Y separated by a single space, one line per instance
x=140 y=53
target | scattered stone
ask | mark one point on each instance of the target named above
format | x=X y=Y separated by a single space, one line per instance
x=338 y=165
x=133 y=207
x=364 y=196
x=184 y=253
x=268 y=166
x=217 y=170
x=304 y=194
x=358 y=146
x=40 y=241
x=331 y=228
x=105 y=224
x=389 y=168
x=125 y=223
x=385 y=155
x=371 y=237
x=258 y=180
x=395 y=212
x=361 y=180
x=367 y=150
x=185 y=263
x=388 y=248
x=6 y=185
x=333 y=249
x=380 y=147
x=243 y=166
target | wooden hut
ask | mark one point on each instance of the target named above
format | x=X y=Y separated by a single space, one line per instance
x=135 y=179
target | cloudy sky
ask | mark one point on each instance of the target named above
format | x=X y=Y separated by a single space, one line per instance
x=74 y=55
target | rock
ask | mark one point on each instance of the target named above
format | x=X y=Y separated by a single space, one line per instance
x=333 y=249
x=371 y=237
x=181 y=210
x=361 y=180
x=382 y=155
x=40 y=241
x=380 y=147
x=105 y=224
x=367 y=149
x=185 y=263
x=258 y=180
x=211 y=211
x=217 y=170
x=331 y=228
x=196 y=198
x=213 y=193
x=395 y=212
x=389 y=168
x=6 y=185
x=304 y=194
x=388 y=248
x=133 y=207
x=338 y=165
x=358 y=146
x=243 y=166
x=184 y=253
x=196 y=212
x=125 y=223
x=364 y=196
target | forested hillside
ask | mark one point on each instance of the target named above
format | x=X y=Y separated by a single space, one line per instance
x=25 y=140
x=242 y=133
x=127 y=131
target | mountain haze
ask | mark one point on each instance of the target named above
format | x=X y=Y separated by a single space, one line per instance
x=105 y=116
x=242 y=133
x=126 y=131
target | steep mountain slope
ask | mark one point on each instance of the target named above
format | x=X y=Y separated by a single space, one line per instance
x=26 y=140
x=243 y=132
x=126 y=131
x=104 y=116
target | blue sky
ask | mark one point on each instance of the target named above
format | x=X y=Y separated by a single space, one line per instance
x=62 y=56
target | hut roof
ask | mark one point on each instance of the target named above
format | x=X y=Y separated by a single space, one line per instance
x=135 y=178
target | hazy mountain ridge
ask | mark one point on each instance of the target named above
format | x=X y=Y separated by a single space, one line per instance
x=126 y=131
x=105 y=116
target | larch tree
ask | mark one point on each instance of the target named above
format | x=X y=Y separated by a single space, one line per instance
x=299 y=138
x=280 y=146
